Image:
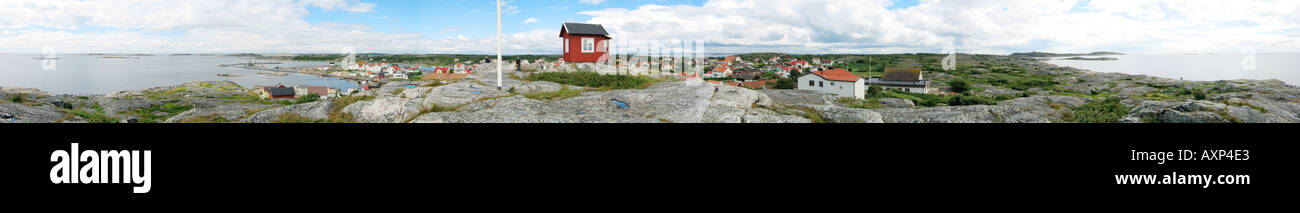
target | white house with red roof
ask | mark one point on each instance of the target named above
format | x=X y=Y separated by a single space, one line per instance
x=836 y=81
x=801 y=64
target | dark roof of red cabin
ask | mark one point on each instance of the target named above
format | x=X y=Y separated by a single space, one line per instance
x=583 y=29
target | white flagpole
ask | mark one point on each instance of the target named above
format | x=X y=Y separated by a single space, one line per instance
x=499 y=44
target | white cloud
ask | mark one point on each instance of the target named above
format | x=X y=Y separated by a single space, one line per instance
x=591 y=1
x=862 y=26
x=804 y=26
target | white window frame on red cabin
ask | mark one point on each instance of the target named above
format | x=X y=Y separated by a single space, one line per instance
x=588 y=45
x=566 y=45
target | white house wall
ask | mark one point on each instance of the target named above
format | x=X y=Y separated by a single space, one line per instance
x=840 y=88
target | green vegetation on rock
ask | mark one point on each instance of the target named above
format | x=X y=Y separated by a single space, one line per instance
x=1107 y=111
x=595 y=80
x=557 y=95
x=206 y=119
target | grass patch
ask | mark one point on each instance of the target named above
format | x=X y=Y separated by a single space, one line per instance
x=806 y=112
x=93 y=117
x=1245 y=104
x=1172 y=93
x=398 y=91
x=343 y=118
x=168 y=93
x=965 y=100
x=870 y=103
x=435 y=108
x=151 y=115
x=812 y=114
x=307 y=98
x=294 y=118
x=435 y=83
x=489 y=98
x=17 y=98
x=98 y=108
x=1095 y=95
x=557 y=95
x=1108 y=111
x=595 y=80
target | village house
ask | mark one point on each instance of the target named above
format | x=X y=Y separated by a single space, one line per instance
x=784 y=72
x=584 y=43
x=749 y=77
x=722 y=70
x=801 y=64
x=905 y=79
x=836 y=81
x=826 y=63
x=280 y=92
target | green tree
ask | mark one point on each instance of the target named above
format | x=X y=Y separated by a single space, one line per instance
x=959 y=86
x=874 y=90
x=308 y=98
x=785 y=83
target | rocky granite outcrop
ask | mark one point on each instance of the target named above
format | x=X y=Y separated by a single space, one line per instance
x=318 y=110
x=1038 y=109
x=23 y=113
x=460 y=93
x=1203 y=111
x=384 y=109
x=673 y=102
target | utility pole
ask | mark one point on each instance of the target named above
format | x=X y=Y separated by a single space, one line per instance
x=499 y=61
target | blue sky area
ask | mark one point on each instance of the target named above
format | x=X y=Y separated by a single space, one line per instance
x=472 y=18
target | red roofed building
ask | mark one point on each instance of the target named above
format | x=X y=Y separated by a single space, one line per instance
x=836 y=81
x=800 y=63
x=585 y=43
x=755 y=84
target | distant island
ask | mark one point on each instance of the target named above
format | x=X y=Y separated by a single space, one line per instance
x=1044 y=54
x=118 y=55
x=1076 y=58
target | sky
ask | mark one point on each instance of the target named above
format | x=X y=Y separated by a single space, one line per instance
x=725 y=26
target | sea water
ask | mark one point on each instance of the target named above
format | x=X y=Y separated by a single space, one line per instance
x=95 y=74
x=1280 y=66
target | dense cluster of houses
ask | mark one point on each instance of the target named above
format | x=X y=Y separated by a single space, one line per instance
x=818 y=75
x=749 y=73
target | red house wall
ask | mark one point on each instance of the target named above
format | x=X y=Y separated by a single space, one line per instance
x=575 y=54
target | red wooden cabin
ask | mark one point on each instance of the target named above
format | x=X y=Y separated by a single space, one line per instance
x=585 y=43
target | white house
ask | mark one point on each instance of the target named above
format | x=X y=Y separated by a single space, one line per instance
x=905 y=79
x=837 y=81
x=725 y=69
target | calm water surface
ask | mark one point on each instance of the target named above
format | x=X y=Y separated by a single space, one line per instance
x=1281 y=66
x=92 y=74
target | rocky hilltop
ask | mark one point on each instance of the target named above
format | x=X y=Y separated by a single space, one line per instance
x=1075 y=95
